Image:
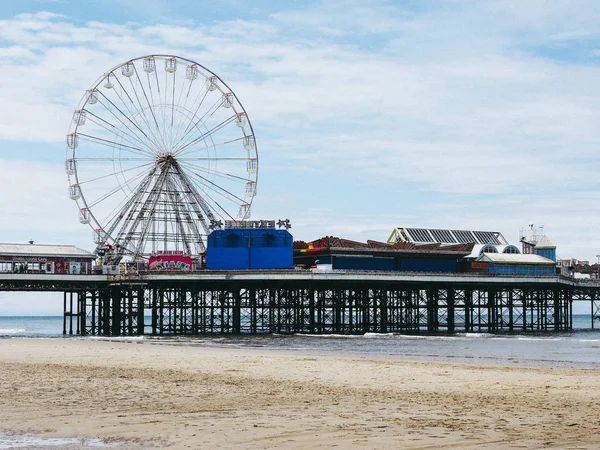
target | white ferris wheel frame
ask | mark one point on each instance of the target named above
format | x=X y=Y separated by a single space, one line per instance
x=212 y=83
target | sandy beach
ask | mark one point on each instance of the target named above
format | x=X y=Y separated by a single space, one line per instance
x=145 y=395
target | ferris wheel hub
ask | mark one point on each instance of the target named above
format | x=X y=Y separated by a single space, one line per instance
x=164 y=157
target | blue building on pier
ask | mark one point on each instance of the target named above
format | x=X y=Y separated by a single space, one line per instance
x=249 y=248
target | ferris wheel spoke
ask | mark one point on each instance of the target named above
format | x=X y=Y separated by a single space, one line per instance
x=129 y=135
x=138 y=111
x=177 y=87
x=111 y=159
x=115 y=217
x=112 y=174
x=110 y=107
x=170 y=107
x=145 y=96
x=158 y=102
x=216 y=188
x=120 y=214
x=214 y=145
x=233 y=158
x=184 y=106
x=218 y=173
x=191 y=191
x=149 y=205
x=219 y=210
x=207 y=115
x=109 y=143
x=151 y=100
x=132 y=139
x=204 y=94
x=173 y=100
x=123 y=114
x=201 y=200
x=164 y=112
x=116 y=189
x=205 y=135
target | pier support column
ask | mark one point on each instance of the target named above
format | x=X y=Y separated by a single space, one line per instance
x=558 y=312
x=595 y=308
x=237 y=306
x=68 y=312
x=115 y=329
x=311 y=309
x=140 y=311
x=468 y=311
x=336 y=305
x=432 y=310
x=81 y=301
x=383 y=311
x=492 y=310
x=511 y=313
x=450 y=300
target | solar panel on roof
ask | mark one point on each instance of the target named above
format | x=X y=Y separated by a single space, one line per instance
x=443 y=236
x=419 y=235
x=487 y=237
x=463 y=236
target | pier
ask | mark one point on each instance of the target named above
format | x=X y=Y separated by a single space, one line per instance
x=301 y=301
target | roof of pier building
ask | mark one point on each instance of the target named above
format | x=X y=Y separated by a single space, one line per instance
x=44 y=250
x=446 y=236
x=335 y=245
x=511 y=258
x=544 y=242
x=480 y=249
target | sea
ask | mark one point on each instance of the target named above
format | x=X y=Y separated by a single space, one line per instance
x=579 y=348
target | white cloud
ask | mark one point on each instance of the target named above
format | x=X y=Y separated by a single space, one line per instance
x=35 y=196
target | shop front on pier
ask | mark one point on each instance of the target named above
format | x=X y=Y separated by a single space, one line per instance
x=44 y=258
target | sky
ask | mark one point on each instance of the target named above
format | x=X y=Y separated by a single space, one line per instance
x=368 y=115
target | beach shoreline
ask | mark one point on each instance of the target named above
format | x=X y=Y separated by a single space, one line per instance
x=143 y=393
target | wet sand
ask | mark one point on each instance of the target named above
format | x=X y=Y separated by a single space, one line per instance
x=146 y=394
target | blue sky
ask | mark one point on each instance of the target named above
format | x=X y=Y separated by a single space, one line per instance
x=368 y=115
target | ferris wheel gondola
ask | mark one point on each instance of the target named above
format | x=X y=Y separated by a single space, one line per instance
x=158 y=149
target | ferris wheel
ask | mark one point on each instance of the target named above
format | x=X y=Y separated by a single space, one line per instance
x=158 y=151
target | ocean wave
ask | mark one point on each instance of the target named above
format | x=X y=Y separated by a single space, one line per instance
x=329 y=336
x=5 y=331
x=115 y=338
x=528 y=338
x=378 y=335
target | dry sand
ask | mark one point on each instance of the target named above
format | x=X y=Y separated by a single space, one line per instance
x=198 y=397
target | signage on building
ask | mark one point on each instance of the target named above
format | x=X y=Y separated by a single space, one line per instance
x=249 y=224
x=75 y=268
x=24 y=258
x=170 y=262
x=254 y=224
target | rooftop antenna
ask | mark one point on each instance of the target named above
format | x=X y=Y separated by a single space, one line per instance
x=31 y=241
